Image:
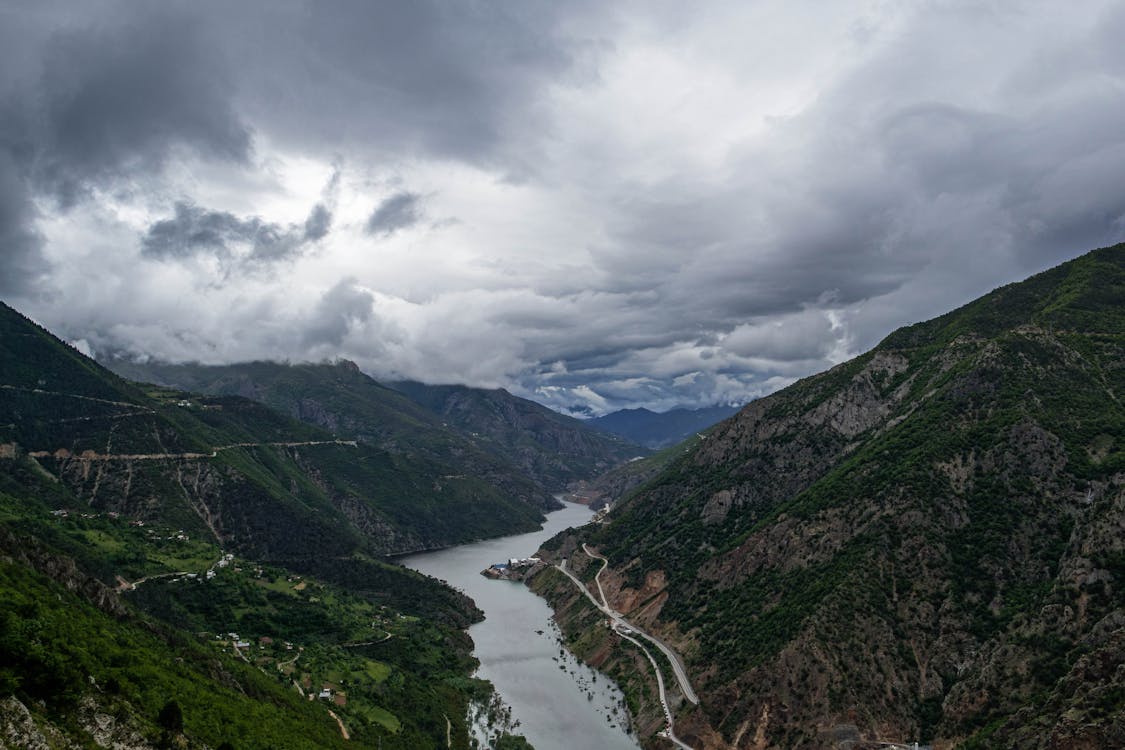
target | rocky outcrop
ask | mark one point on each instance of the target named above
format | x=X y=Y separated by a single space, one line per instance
x=97 y=727
x=62 y=570
x=18 y=731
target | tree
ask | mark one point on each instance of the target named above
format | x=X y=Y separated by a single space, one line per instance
x=171 y=717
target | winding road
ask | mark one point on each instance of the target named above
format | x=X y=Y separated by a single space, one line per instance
x=625 y=630
x=93 y=456
x=673 y=657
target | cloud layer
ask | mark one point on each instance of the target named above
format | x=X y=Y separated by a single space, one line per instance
x=596 y=205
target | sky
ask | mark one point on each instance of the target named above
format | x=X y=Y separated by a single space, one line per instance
x=595 y=205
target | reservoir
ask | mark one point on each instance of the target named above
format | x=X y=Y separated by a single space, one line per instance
x=559 y=702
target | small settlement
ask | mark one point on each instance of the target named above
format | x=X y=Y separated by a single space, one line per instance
x=515 y=569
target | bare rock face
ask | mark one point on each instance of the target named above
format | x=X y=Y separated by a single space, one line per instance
x=717 y=508
x=108 y=731
x=18 y=730
x=62 y=570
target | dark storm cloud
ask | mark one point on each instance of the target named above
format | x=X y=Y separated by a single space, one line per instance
x=634 y=227
x=96 y=97
x=423 y=77
x=340 y=308
x=20 y=244
x=400 y=211
x=115 y=99
x=318 y=223
x=194 y=230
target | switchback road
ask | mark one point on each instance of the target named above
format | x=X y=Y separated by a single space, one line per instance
x=623 y=629
x=673 y=657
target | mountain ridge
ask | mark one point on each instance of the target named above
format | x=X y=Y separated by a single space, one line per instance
x=340 y=398
x=180 y=570
x=893 y=545
x=552 y=448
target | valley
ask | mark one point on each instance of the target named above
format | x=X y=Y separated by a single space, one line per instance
x=920 y=545
x=558 y=702
x=535 y=375
x=244 y=540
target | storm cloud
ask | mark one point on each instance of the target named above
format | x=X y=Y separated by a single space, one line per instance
x=399 y=211
x=113 y=101
x=593 y=204
x=193 y=230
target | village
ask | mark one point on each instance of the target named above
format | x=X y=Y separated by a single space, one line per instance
x=515 y=569
x=321 y=642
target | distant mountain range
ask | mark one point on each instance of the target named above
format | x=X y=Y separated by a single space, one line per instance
x=926 y=543
x=660 y=429
x=552 y=448
x=525 y=450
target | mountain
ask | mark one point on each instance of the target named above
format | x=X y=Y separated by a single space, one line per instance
x=340 y=398
x=926 y=543
x=229 y=467
x=660 y=429
x=190 y=571
x=553 y=449
x=606 y=489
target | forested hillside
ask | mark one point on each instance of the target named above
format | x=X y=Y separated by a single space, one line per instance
x=660 y=429
x=925 y=543
x=552 y=448
x=341 y=399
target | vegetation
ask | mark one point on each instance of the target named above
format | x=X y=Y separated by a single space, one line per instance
x=903 y=530
x=554 y=449
x=660 y=430
x=203 y=569
x=340 y=398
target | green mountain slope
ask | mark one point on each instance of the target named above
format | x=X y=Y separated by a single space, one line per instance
x=161 y=548
x=341 y=399
x=552 y=448
x=922 y=544
x=83 y=661
x=259 y=482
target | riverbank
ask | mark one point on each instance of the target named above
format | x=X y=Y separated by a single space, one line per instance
x=555 y=701
x=589 y=635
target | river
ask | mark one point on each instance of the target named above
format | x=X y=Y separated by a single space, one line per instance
x=560 y=703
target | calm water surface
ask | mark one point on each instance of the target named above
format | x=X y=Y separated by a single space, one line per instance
x=560 y=703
